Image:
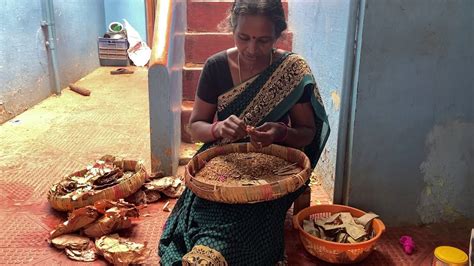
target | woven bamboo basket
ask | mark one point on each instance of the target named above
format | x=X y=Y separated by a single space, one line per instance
x=244 y=193
x=118 y=191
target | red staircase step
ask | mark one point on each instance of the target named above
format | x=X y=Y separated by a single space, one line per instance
x=190 y=81
x=200 y=18
x=199 y=46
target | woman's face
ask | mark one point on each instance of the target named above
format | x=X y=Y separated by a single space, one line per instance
x=254 y=37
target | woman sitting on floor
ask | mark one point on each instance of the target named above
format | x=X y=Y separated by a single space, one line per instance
x=252 y=84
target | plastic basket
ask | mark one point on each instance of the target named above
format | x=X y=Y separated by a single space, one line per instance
x=334 y=252
x=109 y=43
x=241 y=193
x=113 y=52
x=111 y=60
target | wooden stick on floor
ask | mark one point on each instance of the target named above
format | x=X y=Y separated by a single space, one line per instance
x=80 y=90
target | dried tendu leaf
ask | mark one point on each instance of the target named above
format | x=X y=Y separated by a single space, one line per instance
x=77 y=220
x=341 y=227
x=120 y=251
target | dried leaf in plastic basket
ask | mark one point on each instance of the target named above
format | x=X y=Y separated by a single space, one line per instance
x=341 y=227
x=120 y=251
x=366 y=220
x=308 y=226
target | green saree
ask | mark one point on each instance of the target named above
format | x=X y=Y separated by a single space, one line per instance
x=245 y=234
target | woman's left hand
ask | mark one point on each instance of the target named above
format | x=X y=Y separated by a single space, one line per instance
x=266 y=134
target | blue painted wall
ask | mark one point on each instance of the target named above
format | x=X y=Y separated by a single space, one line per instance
x=320 y=33
x=77 y=37
x=24 y=64
x=413 y=138
x=131 y=10
x=23 y=60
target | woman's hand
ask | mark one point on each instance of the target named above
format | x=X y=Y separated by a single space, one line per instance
x=266 y=134
x=232 y=128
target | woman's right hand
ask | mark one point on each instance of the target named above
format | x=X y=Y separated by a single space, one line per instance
x=232 y=128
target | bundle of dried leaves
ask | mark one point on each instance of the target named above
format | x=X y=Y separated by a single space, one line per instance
x=114 y=219
x=103 y=218
x=128 y=209
x=156 y=188
x=120 y=251
x=342 y=227
x=76 y=220
x=77 y=247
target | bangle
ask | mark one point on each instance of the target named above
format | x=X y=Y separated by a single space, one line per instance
x=213 y=127
x=286 y=132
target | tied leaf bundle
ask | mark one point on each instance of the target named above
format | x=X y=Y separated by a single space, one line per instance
x=96 y=221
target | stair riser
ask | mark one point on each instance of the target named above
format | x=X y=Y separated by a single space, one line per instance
x=205 y=16
x=199 y=18
x=190 y=81
x=199 y=47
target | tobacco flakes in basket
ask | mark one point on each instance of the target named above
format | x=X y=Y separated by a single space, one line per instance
x=245 y=167
x=290 y=169
x=342 y=227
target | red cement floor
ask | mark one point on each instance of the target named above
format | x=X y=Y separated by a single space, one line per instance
x=63 y=134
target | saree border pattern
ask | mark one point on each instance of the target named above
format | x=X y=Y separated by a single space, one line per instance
x=286 y=77
x=203 y=256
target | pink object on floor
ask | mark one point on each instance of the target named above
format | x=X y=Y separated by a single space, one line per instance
x=408 y=244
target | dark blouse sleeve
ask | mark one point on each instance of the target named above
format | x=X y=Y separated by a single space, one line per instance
x=207 y=89
x=306 y=97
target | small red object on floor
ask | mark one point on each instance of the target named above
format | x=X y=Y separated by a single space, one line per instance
x=80 y=90
x=408 y=244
